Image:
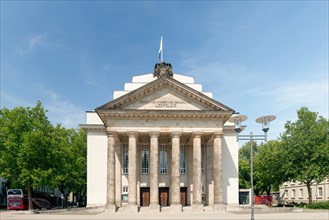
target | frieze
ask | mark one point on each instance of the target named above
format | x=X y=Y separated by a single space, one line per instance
x=164 y=104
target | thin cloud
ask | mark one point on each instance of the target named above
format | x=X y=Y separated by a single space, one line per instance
x=312 y=94
x=31 y=42
x=11 y=100
x=35 y=40
x=63 y=112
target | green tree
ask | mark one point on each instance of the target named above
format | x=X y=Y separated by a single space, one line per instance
x=244 y=164
x=70 y=167
x=268 y=166
x=306 y=149
x=25 y=146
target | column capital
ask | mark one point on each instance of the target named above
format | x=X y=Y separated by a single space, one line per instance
x=197 y=134
x=111 y=134
x=218 y=134
x=154 y=134
x=176 y=134
x=132 y=134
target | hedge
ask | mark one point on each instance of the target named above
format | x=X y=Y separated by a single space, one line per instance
x=318 y=205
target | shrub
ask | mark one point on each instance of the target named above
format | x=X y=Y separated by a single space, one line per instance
x=318 y=205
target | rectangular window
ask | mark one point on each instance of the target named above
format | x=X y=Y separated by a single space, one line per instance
x=163 y=159
x=286 y=193
x=293 y=193
x=320 y=192
x=301 y=193
x=145 y=159
x=182 y=160
x=202 y=159
x=125 y=159
x=124 y=195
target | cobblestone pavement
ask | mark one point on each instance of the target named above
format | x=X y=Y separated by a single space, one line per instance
x=87 y=215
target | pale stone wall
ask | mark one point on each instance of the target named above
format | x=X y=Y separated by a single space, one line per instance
x=93 y=118
x=96 y=168
x=141 y=80
x=230 y=169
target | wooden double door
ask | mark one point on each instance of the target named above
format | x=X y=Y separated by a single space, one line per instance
x=145 y=196
x=163 y=196
x=183 y=196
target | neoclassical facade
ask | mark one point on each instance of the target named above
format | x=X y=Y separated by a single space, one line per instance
x=161 y=142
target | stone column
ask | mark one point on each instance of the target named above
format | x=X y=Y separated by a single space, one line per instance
x=175 y=174
x=132 y=173
x=154 y=171
x=118 y=174
x=110 y=201
x=197 y=191
x=210 y=173
x=218 y=176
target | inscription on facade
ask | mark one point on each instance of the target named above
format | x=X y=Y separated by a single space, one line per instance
x=164 y=104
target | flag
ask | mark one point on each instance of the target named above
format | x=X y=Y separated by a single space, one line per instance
x=160 y=53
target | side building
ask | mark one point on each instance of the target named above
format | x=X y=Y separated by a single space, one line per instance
x=161 y=142
x=296 y=192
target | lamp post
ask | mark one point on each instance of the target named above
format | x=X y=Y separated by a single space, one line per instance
x=265 y=120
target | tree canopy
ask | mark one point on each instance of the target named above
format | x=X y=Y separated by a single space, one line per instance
x=268 y=167
x=70 y=173
x=34 y=153
x=306 y=148
x=300 y=154
x=25 y=152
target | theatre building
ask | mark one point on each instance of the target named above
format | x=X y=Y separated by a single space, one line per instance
x=161 y=142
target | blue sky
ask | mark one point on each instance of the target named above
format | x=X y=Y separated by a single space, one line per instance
x=257 y=57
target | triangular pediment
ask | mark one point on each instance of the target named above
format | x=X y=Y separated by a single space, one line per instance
x=165 y=94
x=165 y=98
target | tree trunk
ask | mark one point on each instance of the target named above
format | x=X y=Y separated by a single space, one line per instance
x=64 y=196
x=268 y=190
x=309 y=191
x=81 y=196
x=29 y=196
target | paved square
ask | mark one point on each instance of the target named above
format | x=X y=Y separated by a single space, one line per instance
x=86 y=215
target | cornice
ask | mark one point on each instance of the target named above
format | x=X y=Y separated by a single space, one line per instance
x=93 y=127
x=170 y=114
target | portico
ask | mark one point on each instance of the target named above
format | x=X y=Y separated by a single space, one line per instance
x=167 y=144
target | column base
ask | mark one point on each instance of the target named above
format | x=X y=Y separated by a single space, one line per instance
x=119 y=204
x=219 y=207
x=197 y=208
x=154 y=208
x=131 y=208
x=110 y=208
x=176 y=208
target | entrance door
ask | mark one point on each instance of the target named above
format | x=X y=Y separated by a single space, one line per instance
x=183 y=196
x=145 y=196
x=164 y=196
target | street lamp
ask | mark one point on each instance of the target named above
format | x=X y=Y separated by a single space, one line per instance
x=265 y=120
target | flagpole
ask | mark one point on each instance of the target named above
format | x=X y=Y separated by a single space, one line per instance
x=160 y=53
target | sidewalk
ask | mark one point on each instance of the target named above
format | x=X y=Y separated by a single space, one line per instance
x=87 y=215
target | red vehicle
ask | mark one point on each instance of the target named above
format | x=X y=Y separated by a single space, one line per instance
x=16 y=200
